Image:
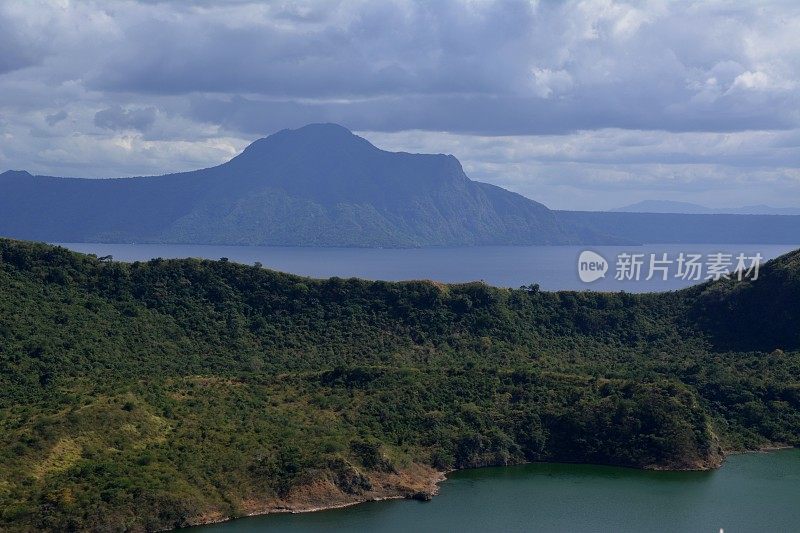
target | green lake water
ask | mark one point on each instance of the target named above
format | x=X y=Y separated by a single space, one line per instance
x=757 y=492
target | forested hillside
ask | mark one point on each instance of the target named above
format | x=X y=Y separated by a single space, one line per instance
x=153 y=395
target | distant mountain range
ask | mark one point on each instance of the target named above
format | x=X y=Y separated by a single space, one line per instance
x=321 y=185
x=667 y=206
x=677 y=228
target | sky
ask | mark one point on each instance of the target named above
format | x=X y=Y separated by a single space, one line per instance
x=579 y=105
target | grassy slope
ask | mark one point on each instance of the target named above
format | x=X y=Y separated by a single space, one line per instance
x=158 y=394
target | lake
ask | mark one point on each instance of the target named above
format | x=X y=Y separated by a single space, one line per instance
x=552 y=267
x=756 y=492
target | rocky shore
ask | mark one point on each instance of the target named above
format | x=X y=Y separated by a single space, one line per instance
x=418 y=482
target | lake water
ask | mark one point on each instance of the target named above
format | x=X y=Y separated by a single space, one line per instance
x=552 y=267
x=750 y=493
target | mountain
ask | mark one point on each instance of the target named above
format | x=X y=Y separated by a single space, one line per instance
x=663 y=206
x=153 y=395
x=668 y=206
x=317 y=185
x=674 y=228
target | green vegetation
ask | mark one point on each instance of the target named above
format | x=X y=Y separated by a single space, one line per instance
x=152 y=395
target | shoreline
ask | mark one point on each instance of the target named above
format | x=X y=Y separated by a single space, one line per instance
x=762 y=449
x=434 y=485
x=428 y=489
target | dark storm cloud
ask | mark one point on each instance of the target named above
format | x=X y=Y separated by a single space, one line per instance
x=55 y=118
x=11 y=58
x=15 y=52
x=379 y=48
x=117 y=118
x=478 y=114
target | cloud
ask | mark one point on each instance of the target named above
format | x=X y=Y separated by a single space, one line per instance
x=54 y=118
x=644 y=63
x=117 y=118
x=505 y=67
x=548 y=83
x=610 y=64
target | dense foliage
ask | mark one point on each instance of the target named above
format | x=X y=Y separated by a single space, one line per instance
x=147 y=395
